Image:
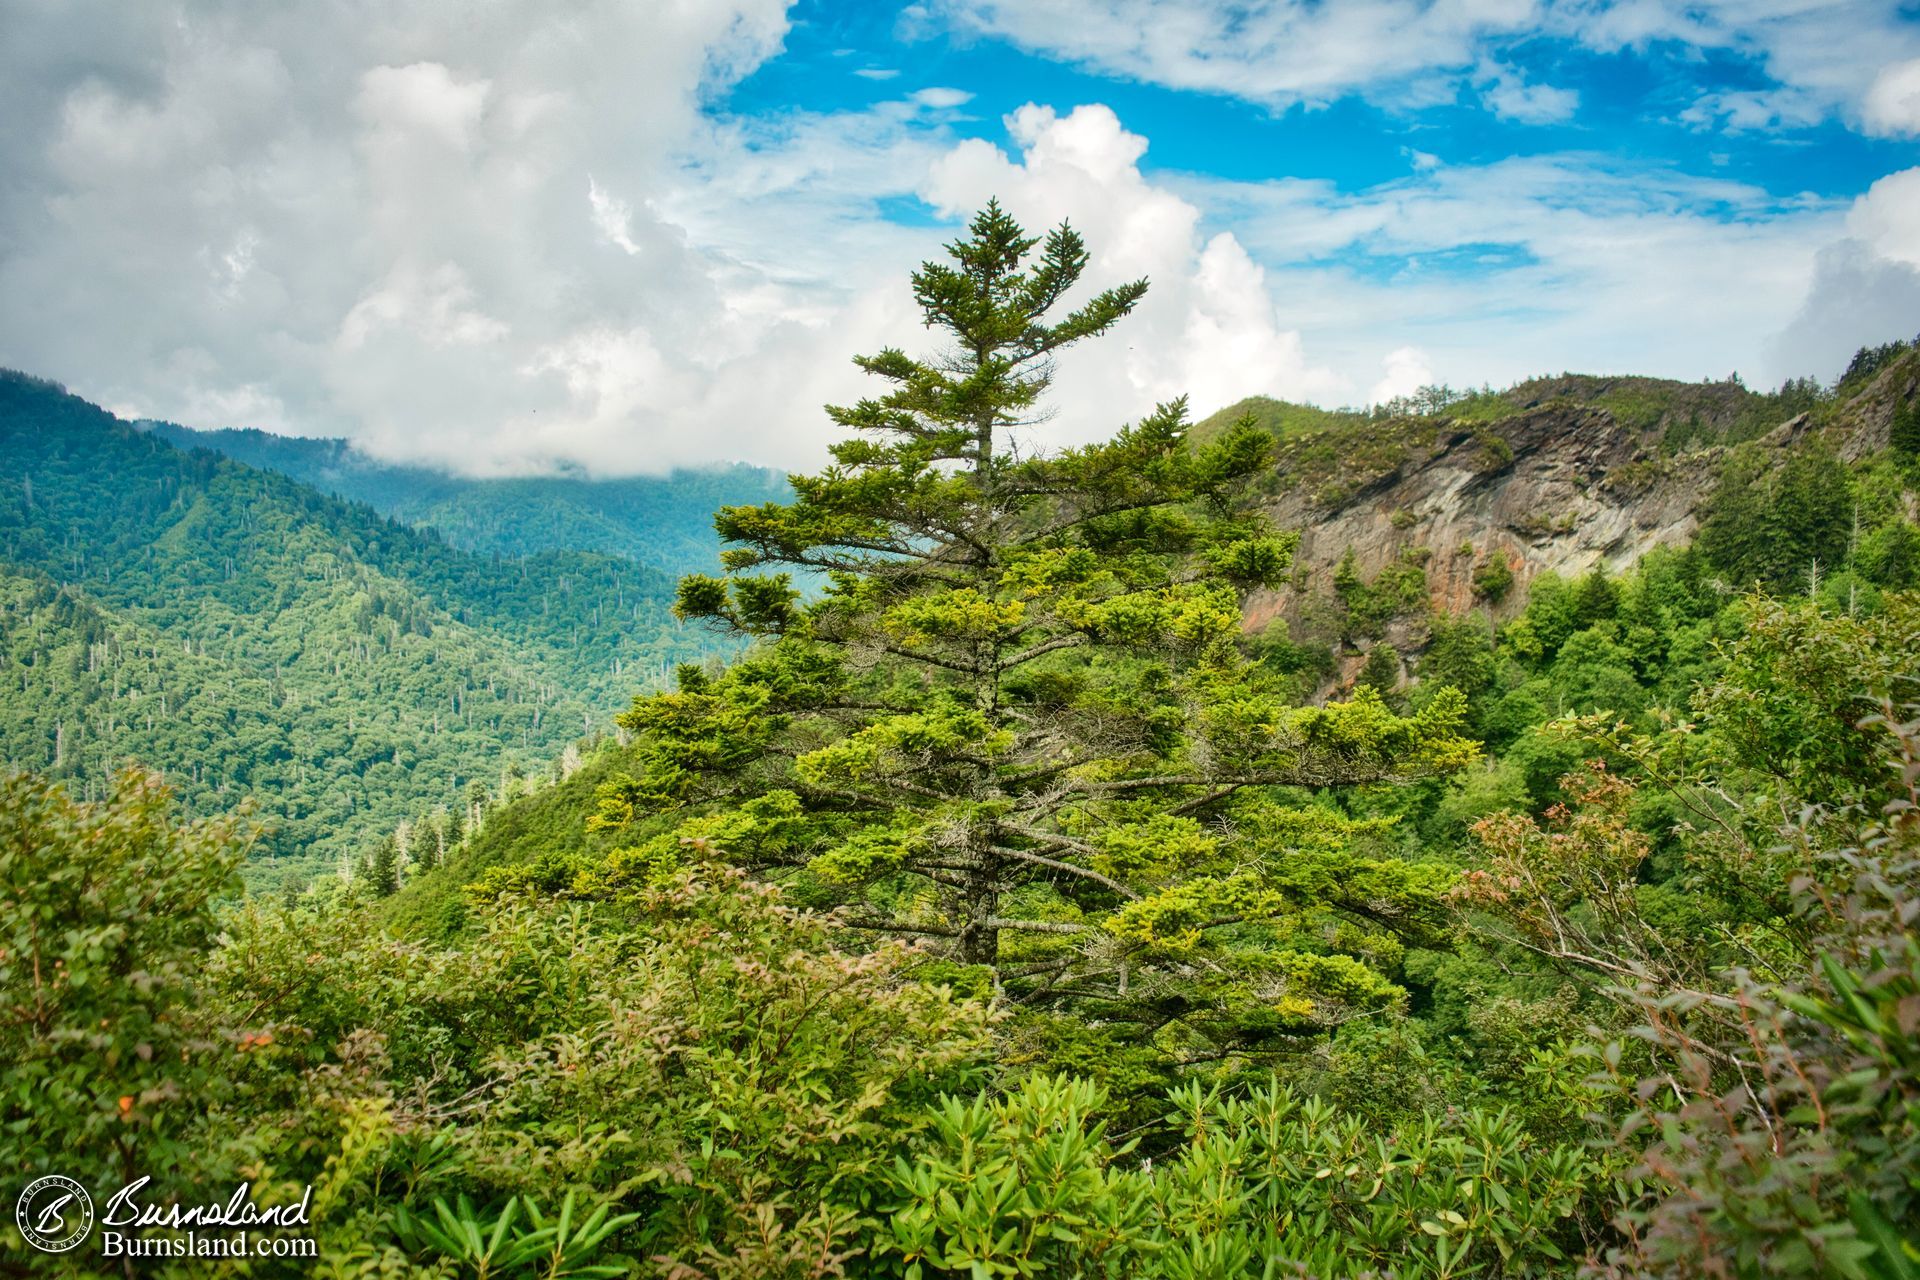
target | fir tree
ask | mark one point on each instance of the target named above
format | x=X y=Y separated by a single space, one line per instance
x=1016 y=721
x=1769 y=528
x=430 y=840
x=382 y=874
x=1903 y=433
x=1380 y=672
x=1595 y=597
x=1814 y=517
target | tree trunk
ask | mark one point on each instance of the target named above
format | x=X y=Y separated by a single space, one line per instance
x=979 y=943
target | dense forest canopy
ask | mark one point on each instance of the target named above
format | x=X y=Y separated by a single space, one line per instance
x=257 y=639
x=999 y=905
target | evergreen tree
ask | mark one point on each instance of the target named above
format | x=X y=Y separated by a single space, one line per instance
x=1734 y=528
x=430 y=840
x=1380 y=672
x=1460 y=655
x=1890 y=557
x=1016 y=720
x=1903 y=434
x=1770 y=528
x=1351 y=594
x=1813 y=519
x=478 y=803
x=382 y=875
x=1595 y=597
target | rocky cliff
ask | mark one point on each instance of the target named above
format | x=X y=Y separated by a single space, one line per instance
x=1559 y=474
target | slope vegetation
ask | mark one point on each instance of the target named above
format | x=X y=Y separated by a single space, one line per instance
x=250 y=635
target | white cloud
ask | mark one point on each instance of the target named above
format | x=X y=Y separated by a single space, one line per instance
x=423 y=100
x=507 y=239
x=1280 y=53
x=1491 y=272
x=412 y=230
x=942 y=99
x=1208 y=328
x=1887 y=217
x=612 y=216
x=1893 y=100
x=1866 y=286
x=1526 y=266
x=1408 y=54
x=1509 y=96
x=435 y=307
x=1404 y=371
x=1755 y=110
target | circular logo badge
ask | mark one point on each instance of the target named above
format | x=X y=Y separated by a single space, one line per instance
x=54 y=1213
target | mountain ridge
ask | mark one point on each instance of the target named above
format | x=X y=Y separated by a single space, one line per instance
x=1482 y=495
x=665 y=522
x=249 y=634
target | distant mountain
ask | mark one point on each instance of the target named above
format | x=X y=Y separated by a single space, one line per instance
x=351 y=661
x=663 y=521
x=251 y=635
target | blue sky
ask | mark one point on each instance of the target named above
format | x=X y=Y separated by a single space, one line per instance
x=840 y=57
x=627 y=237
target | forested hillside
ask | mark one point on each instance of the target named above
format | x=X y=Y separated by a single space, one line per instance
x=256 y=639
x=665 y=522
x=1022 y=899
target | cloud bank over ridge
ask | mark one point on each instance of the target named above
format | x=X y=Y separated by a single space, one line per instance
x=519 y=239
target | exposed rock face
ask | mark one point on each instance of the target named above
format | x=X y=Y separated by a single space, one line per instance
x=1559 y=487
x=1862 y=426
x=1562 y=474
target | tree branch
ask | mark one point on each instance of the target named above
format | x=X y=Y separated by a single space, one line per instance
x=1057 y=865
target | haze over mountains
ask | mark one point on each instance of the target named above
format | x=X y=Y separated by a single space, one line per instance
x=662 y=521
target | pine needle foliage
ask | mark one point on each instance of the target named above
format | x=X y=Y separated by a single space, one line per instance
x=1015 y=720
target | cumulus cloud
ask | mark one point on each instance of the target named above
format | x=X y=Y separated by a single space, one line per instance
x=1209 y=327
x=519 y=248
x=1887 y=217
x=1295 y=288
x=1404 y=371
x=1893 y=100
x=435 y=231
x=512 y=239
x=1866 y=285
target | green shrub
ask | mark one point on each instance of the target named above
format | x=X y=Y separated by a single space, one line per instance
x=109 y=1056
x=1493 y=579
x=1030 y=1184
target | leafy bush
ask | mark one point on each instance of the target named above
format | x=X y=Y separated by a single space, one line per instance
x=1030 y=1184
x=1794 y=1148
x=108 y=1055
x=1493 y=579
